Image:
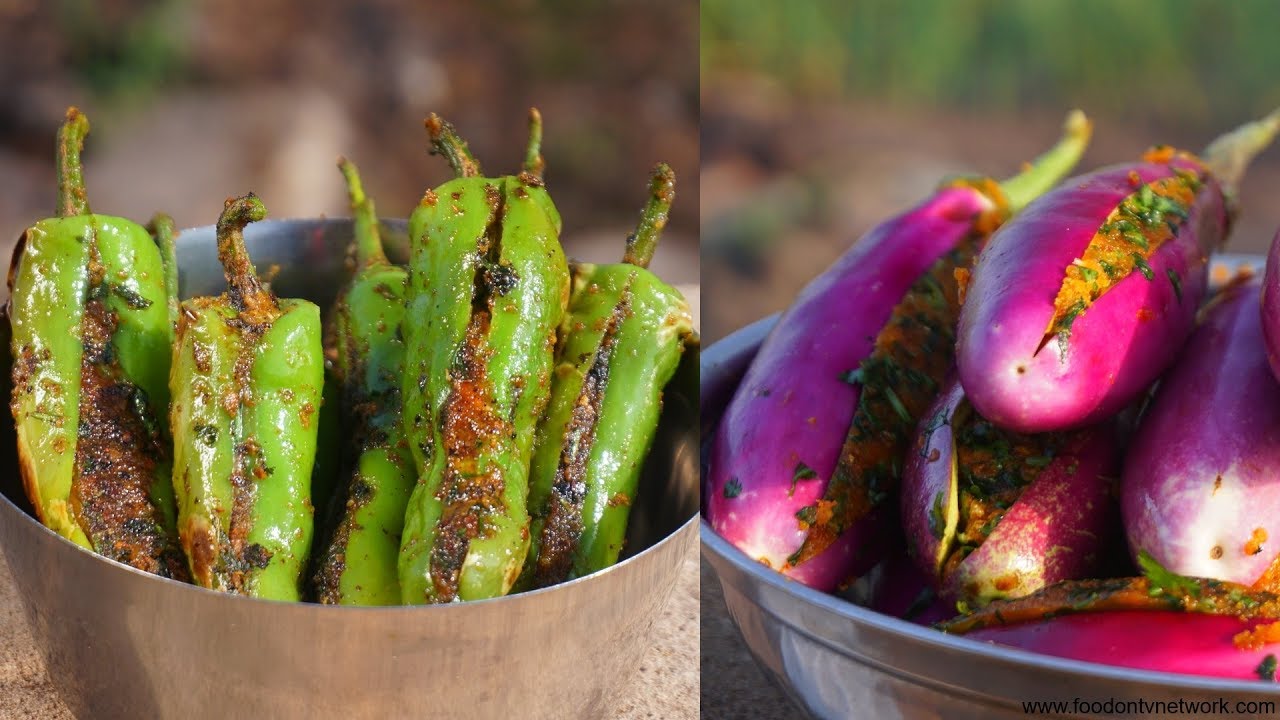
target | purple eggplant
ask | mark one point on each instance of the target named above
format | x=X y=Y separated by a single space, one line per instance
x=1081 y=301
x=776 y=449
x=1271 y=305
x=1201 y=487
x=906 y=593
x=991 y=514
x=1160 y=622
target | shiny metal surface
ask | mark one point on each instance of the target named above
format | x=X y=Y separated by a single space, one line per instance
x=836 y=659
x=123 y=644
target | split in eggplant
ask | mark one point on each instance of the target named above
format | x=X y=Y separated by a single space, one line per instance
x=898 y=382
x=1159 y=622
x=1081 y=301
x=993 y=514
x=1157 y=590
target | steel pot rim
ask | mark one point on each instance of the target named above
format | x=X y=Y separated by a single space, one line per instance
x=9 y=509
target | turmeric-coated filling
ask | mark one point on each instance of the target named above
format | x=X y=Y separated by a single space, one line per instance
x=1131 y=234
x=472 y=488
x=993 y=468
x=117 y=455
x=899 y=380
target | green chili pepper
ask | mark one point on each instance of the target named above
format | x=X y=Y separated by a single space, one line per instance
x=620 y=344
x=330 y=445
x=359 y=565
x=165 y=234
x=246 y=383
x=488 y=284
x=89 y=308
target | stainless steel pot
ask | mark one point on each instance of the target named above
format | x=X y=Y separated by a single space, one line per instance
x=119 y=643
x=836 y=659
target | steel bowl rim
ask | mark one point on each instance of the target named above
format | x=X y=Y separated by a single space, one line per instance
x=8 y=506
x=714 y=545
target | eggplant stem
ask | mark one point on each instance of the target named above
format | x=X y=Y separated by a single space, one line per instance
x=72 y=199
x=1229 y=155
x=1045 y=171
x=368 y=237
x=446 y=141
x=643 y=243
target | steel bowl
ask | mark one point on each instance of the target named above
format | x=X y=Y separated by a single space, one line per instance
x=837 y=659
x=120 y=643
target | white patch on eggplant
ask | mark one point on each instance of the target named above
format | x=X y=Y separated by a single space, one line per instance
x=1209 y=518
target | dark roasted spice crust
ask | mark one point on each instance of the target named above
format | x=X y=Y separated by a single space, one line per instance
x=912 y=355
x=116 y=459
x=469 y=492
x=562 y=530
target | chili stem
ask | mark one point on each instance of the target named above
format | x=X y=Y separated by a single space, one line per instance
x=368 y=237
x=72 y=199
x=446 y=141
x=163 y=232
x=533 y=163
x=247 y=293
x=644 y=241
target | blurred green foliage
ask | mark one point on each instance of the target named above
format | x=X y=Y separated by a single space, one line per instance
x=1195 y=63
x=124 y=51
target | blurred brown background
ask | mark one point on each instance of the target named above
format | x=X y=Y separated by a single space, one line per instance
x=824 y=118
x=195 y=100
